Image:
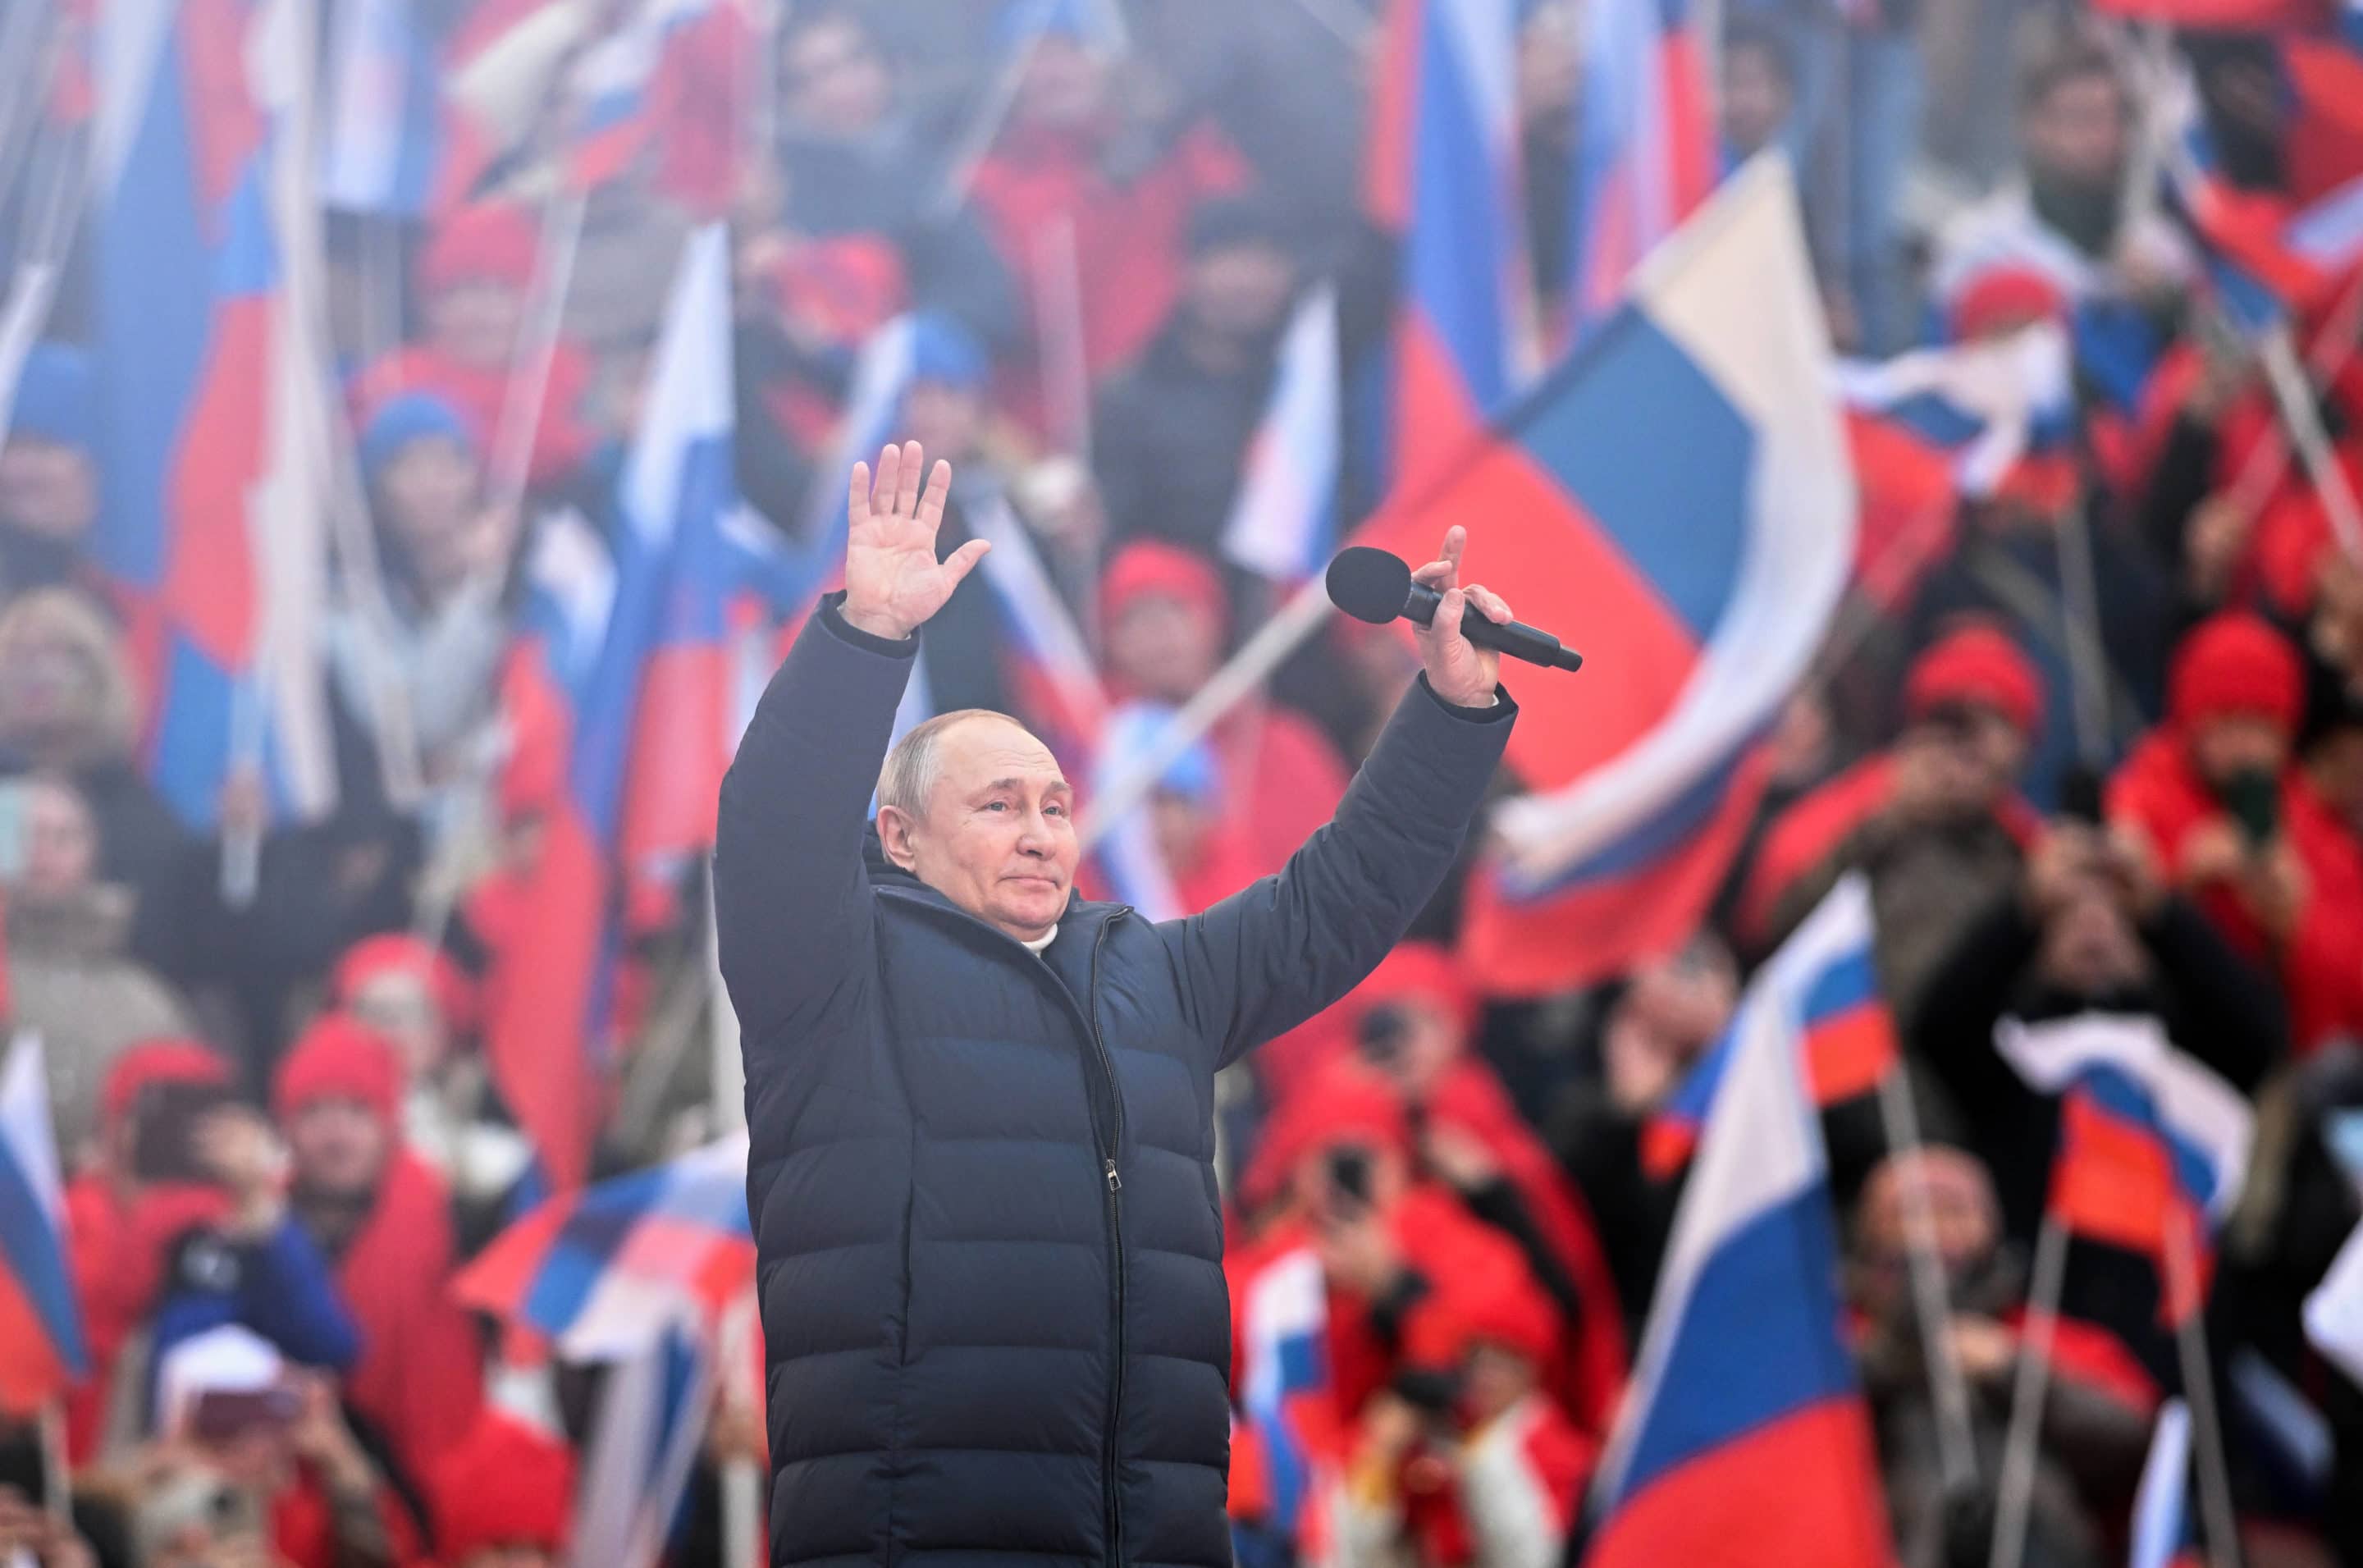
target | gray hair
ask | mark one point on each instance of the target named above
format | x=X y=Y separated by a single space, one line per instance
x=913 y=765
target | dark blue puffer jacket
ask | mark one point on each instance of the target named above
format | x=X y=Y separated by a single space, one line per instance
x=982 y=1182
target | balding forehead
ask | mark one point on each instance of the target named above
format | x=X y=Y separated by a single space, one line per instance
x=990 y=746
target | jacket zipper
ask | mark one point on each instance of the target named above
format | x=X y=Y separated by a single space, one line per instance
x=1112 y=1185
x=1115 y=1181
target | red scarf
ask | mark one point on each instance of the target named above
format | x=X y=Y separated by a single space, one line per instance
x=421 y=1372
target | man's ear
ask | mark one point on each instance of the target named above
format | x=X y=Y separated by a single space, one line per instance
x=895 y=834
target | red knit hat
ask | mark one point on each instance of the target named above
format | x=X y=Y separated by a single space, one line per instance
x=1415 y=972
x=1152 y=566
x=1976 y=664
x=155 y=1061
x=502 y=1485
x=2236 y=663
x=1518 y=1318
x=2003 y=298
x=491 y=242
x=399 y=952
x=339 y=1057
x=1343 y=1103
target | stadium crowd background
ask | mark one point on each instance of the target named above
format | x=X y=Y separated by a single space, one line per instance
x=2091 y=728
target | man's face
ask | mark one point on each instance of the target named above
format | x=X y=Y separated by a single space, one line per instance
x=61 y=844
x=998 y=836
x=1065 y=85
x=1756 y=98
x=428 y=493
x=2232 y=744
x=2090 y=947
x=400 y=1005
x=1164 y=647
x=2076 y=133
x=1962 y=1219
x=1242 y=290
x=48 y=490
x=475 y=321
x=944 y=419
x=339 y=1148
x=836 y=81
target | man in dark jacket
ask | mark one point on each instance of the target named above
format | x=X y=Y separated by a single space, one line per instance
x=982 y=1170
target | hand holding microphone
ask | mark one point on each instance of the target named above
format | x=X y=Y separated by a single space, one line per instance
x=1464 y=631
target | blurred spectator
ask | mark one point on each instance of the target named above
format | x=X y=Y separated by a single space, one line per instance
x=474 y=278
x=2213 y=794
x=67 y=706
x=1091 y=223
x=852 y=162
x=1666 y=1016
x=1162 y=612
x=1550 y=77
x=420 y=999
x=2065 y=214
x=1760 y=89
x=269 y=1453
x=2091 y=926
x=1936 y=820
x=523 y=1522
x=1171 y=433
x=49 y=474
x=383 y=1221
x=2097 y=1404
x=179 y=1227
x=70 y=979
x=1197 y=836
x=39 y=1537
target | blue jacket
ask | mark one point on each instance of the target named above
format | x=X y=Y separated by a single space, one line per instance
x=981 y=1182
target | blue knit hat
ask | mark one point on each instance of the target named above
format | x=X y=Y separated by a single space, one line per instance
x=407 y=417
x=946 y=352
x=55 y=400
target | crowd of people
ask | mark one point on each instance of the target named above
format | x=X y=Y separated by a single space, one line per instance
x=2100 y=746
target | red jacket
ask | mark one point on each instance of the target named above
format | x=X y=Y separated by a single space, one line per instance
x=2321 y=965
x=117 y=1249
x=421 y=1373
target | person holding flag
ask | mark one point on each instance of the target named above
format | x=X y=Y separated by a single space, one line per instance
x=992 y=1283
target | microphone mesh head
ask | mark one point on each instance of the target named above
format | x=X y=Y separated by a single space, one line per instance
x=1369 y=585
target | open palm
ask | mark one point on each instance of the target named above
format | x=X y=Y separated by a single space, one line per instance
x=893 y=581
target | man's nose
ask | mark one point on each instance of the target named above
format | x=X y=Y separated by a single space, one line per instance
x=1034 y=837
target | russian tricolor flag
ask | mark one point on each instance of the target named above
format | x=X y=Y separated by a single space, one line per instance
x=385 y=118
x=1743 y=1439
x=211 y=531
x=41 y=1350
x=1698 y=587
x=1284 y=522
x=598 y=1270
x=2163 y=1536
x=1284 y=1384
x=1444 y=176
x=1644 y=147
x=1126 y=859
x=607 y=627
x=1980 y=407
x=2150 y=1139
x=1052 y=682
x=1846 y=1034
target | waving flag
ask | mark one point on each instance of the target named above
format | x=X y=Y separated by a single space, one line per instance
x=669 y=79
x=1982 y=406
x=1284 y=522
x=2153 y=1144
x=1128 y=861
x=1444 y=176
x=2162 y=1529
x=600 y=1272
x=652 y=1421
x=1052 y=682
x=1846 y=1034
x=2333 y=1313
x=605 y=627
x=1743 y=1439
x=41 y=1349
x=385 y=126
x=1285 y=1394
x=1644 y=147
x=209 y=388
x=1678 y=496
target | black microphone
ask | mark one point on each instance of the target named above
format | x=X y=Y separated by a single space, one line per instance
x=1371 y=585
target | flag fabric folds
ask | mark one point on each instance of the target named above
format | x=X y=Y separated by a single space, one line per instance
x=210 y=531
x=41 y=1345
x=1847 y=1035
x=1743 y=1439
x=602 y=1271
x=1283 y=523
x=1698 y=590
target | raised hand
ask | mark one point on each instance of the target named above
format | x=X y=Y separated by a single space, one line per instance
x=1458 y=669
x=892 y=580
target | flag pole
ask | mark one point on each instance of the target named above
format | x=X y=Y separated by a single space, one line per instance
x=1956 y=1445
x=537 y=351
x=2326 y=356
x=2024 y=1441
x=57 y=1472
x=1060 y=352
x=2294 y=395
x=2199 y=1390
